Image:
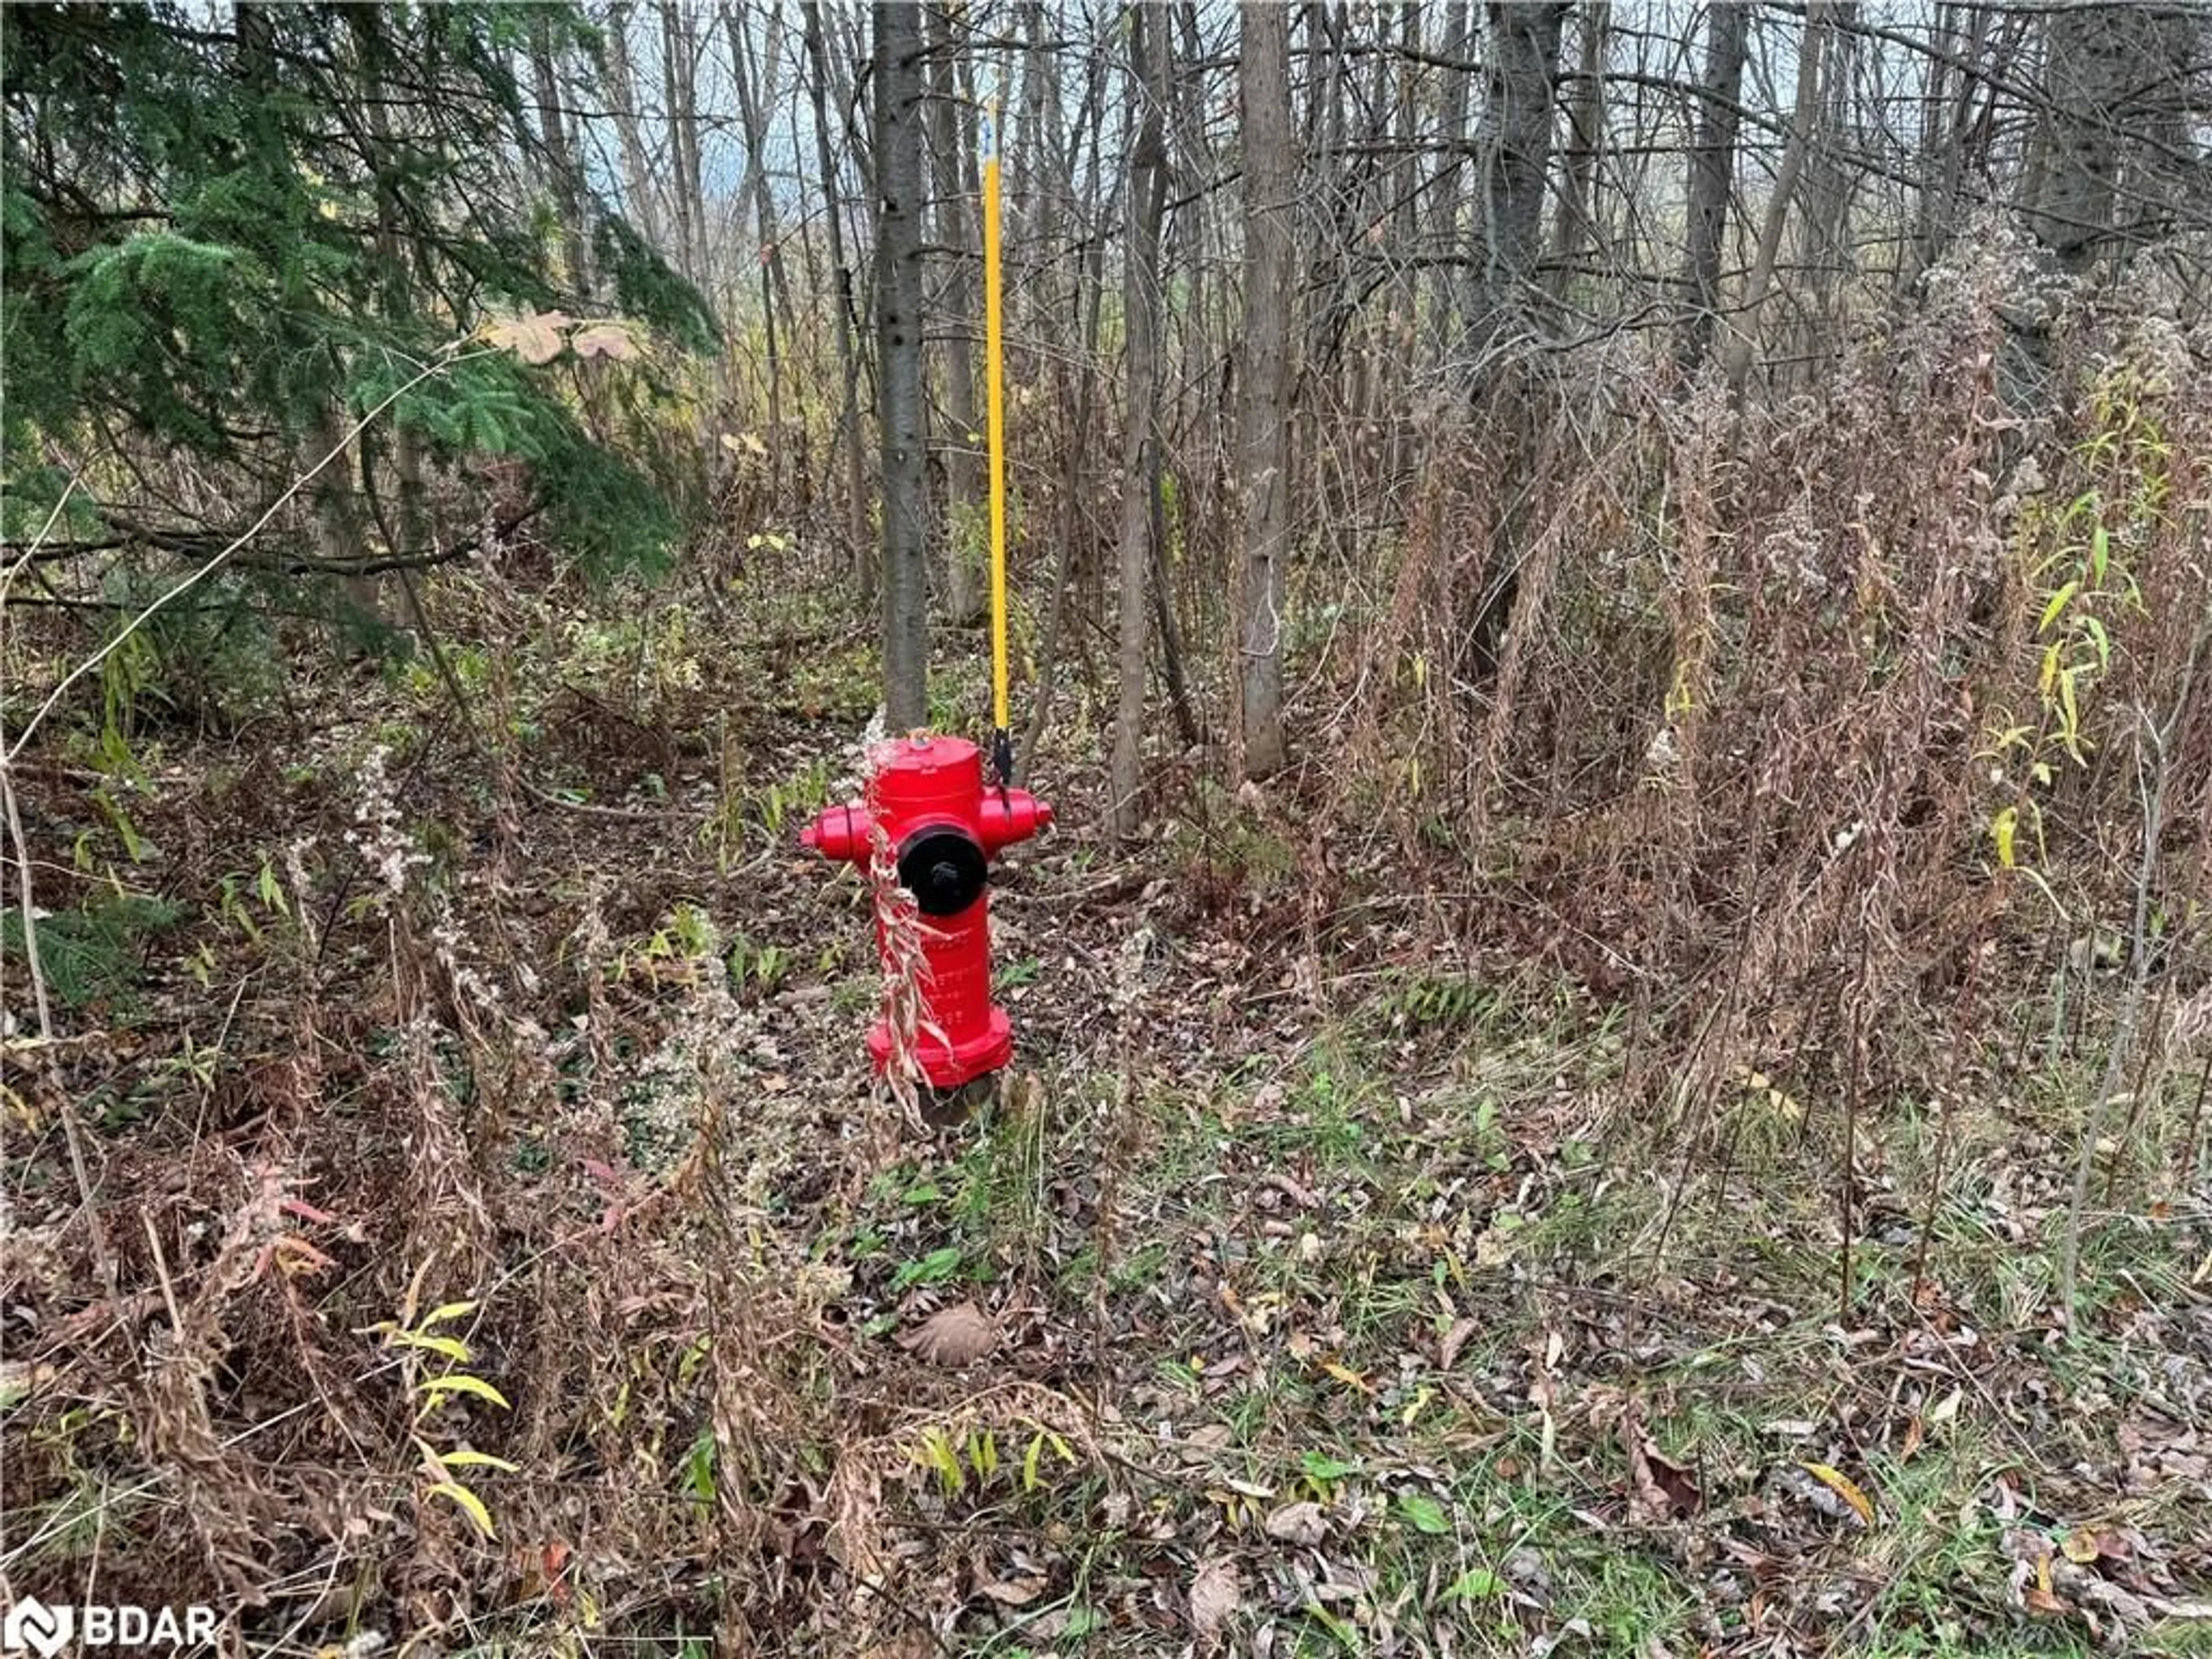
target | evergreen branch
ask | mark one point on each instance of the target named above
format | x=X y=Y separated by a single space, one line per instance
x=452 y=356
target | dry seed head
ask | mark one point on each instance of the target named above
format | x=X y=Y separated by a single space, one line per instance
x=384 y=844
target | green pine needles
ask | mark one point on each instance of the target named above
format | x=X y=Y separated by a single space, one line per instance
x=231 y=234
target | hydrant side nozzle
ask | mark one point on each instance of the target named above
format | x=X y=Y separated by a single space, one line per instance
x=1013 y=814
x=841 y=832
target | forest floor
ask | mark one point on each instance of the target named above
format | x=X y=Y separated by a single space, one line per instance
x=1311 y=1287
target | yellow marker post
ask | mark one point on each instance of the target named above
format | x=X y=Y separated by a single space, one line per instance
x=1002 y=742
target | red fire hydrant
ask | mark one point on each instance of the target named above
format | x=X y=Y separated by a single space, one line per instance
x=942 y=824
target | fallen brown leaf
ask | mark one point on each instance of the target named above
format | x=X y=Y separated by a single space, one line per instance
x=1014 y=1592
x=1216 y=1593
x=1454 y=1340
x=1297 y=1523
x=1662 y=1489
x=957 y=1335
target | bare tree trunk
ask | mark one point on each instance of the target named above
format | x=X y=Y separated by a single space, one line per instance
x=1831 y=185
x=1147 y=192
x=1955 y=89
x=679 y=54
x=1760 y=277
x=1444 y=313
x=630 y=132
x=1270 y=189
x=964 y=548
x=899 y=205
x=1071 y=475
x=1578 y=225
x=754 y=94
x=1517 y=156
x=848 y=366
x=2113 y=80
x=1036 y=180
x=1712 y=177
x=563 y=174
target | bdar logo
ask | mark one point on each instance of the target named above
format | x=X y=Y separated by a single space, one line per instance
x=32 y=1624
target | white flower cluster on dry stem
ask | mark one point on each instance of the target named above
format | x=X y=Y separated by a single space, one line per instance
x=302 y=884
x=387 y=848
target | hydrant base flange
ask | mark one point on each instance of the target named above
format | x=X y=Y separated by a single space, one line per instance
x=952 y=1065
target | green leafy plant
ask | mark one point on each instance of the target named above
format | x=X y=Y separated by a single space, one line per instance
x=938 y=1267
x=963 y=1459
x=2087 y=586
x=761 y=968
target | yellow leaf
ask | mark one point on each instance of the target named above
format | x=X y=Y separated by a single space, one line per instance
x=1843 y=1485
x=460 y=1383
x=477 y=1460
x=1350 y=1378
x=471 y=1504
x=2001 y=828
x=451 y=1347
x=2079 y=1547
x=2058 y=603
x=438 y=1316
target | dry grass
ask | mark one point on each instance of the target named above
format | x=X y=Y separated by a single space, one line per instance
x=1648 y=1025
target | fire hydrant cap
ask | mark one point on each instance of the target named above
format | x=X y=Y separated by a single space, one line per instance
x=943 y=869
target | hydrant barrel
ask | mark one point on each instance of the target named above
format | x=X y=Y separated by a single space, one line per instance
x=926 y=795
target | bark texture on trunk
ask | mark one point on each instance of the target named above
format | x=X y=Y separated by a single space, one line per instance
x=899 y=205
x=1270 y=191
x=629 y=130
x=1147 y=201
x=1578 y=227
x=849 y=365
x=1516 y=155
x=959 y=243
x=1712 y=177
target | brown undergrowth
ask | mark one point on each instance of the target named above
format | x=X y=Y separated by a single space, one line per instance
x=1457 y=1192
x=1824 y=731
